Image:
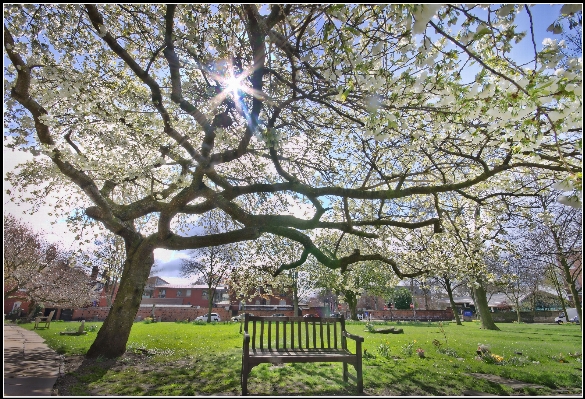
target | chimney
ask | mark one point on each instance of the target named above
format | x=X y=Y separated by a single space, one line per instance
x=94 y=273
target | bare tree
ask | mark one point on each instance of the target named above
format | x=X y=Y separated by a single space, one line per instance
x=211 y=265
x=553 y=239
x=109 y=258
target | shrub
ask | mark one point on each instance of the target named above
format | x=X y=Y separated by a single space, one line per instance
x=492 y=358
x=517 y=361
x=368 y=355
x=560 y=358
x=91 y=328
x=384 y=350
x=408 y=348
x=447 y=351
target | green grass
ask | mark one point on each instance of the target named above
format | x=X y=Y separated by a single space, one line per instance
x=187 y=359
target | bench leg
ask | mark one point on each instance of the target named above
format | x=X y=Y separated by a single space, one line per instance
x=360 y=379
x=345 y=372
x=358 y=367
x=244 y=378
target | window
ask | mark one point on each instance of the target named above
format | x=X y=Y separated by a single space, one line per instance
x=188 y=293
x=204 y=294
x=179 y=293
x=162 y=293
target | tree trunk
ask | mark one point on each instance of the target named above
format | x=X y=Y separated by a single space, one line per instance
x=481 y=305
x=519 y=319
x=210 y=295
x=295 y=294
x=569 y=279
x=573 y=288
x=112 y=337
x=351 y=300
x=295 y=301
x=555 y=280
x=452 y=302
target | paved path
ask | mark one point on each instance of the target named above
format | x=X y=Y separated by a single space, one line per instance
x=30 y=367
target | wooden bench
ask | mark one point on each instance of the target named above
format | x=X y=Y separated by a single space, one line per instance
x=299 y=340
x=46 y=320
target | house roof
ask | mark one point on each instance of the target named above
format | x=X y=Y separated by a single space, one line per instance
x=154 y=279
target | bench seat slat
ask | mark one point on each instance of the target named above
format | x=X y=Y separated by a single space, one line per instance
x=257 y=352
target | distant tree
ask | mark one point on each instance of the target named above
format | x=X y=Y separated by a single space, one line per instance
x=109 y=257
x=401 y=297
x=514 y=277
x=553 y=239
x=211 y=265
x=40 y=271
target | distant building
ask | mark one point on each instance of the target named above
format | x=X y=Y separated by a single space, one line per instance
x=150 y=284
x=543 y=299
x=186 y=294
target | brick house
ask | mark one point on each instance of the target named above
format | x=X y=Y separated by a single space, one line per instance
x=18 y=301
x=190 y=294
x=266 y=298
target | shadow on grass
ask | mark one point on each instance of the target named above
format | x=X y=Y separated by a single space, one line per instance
x=220 y=375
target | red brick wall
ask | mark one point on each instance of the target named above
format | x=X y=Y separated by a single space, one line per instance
x=407 y=314
x=161 y=312
x=171 y=313
x=9 y=304
x=196 y=298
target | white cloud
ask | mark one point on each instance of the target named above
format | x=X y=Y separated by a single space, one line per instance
x=40 y=221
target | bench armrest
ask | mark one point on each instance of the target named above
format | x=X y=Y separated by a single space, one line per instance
x=356 y=338
x=246 y=345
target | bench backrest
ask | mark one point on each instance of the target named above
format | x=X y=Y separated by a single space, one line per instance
x=275 y=333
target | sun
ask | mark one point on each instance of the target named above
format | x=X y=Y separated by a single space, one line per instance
x=233 y=84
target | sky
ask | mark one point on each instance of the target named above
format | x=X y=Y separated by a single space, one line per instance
x=170 y=261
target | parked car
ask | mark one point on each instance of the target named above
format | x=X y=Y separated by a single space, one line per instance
x=311 y=315
x=336 y=314
x=240 y=317
x=573 y=316
x=214 y=317
x=278 y=315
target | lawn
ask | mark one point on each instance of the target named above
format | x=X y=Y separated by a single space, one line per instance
x=182 y=359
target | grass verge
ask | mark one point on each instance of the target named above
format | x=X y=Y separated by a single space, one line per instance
x=182 y=359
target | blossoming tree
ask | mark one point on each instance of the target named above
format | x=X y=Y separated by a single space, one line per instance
x=151 y=115
x=39 y=272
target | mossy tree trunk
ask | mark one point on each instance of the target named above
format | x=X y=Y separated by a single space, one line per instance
x=111 y=339
x=452 y=301
x=351 y=300
x=481 y=305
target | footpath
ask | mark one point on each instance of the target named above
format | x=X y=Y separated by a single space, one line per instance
x=31 y=368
